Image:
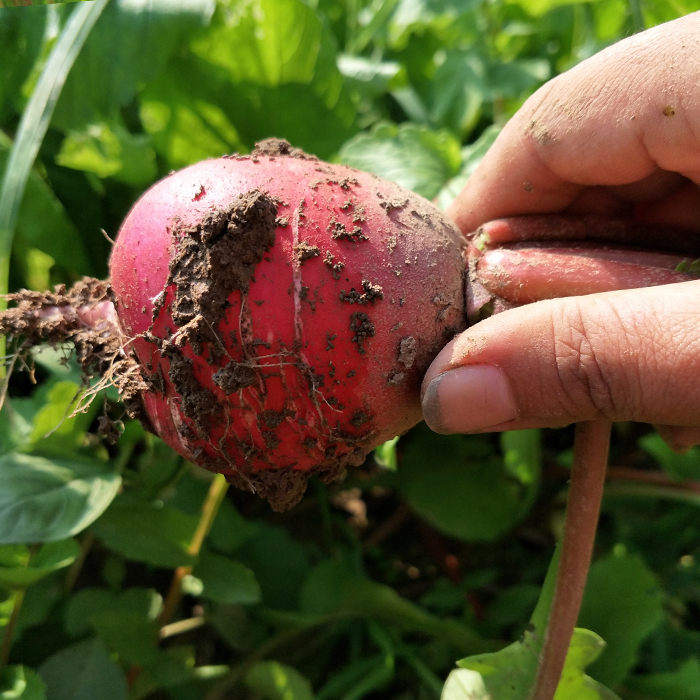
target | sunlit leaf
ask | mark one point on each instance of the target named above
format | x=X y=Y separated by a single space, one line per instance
x=18 y=569
x=44 y=500
x=414 y=157
x=21 y=683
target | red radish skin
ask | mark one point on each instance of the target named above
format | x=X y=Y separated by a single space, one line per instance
x=322 y=351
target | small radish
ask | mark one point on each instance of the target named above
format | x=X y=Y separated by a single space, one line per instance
x=271 y=316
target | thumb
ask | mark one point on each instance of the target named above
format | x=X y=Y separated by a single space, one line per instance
x=623 y=355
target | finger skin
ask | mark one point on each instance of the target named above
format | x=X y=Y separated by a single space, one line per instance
x=620 y=127
x=619 y=356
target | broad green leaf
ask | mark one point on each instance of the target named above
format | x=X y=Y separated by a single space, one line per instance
x=509 y=674
x=270 y=43
x=83 y=671
x=21 y=683
x=55 y=430
x=185 y=113
x=131 y=635
x=471 y=157
x=540 y=7
x=43 y=223
x=19 y=570
x=682 y=684
x=419 y=15
x=225 y=580
x=128 y=47
x=323 y=589
x=145 y=603
x=278 y=58
x=623 y=604
x=275 y=681
x=230 y=529
x=280 y=565
x=109 y=150
x=414 y=157
x=39 y=601
x=143 y=532
x=370 y=77
x=458 y=90
x=462 y=487
x=44 y=500
x=677 y=466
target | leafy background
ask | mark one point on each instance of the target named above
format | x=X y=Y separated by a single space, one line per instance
x=437 y=548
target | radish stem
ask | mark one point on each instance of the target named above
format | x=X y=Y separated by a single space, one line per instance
x=591 y=445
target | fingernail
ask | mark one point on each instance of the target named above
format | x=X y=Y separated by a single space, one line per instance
x=466 y=399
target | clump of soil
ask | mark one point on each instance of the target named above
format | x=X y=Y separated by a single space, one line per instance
x=279 y=147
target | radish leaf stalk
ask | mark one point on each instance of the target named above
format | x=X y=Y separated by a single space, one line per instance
x=591 y=445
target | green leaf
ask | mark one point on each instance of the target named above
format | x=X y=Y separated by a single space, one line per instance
x=225 y=580
x=109 y=150
x=145 y=603
x=19 y=570
x=682 y=684
x=323 y=589
x=280 y=565
x=471 y=157
x=385 y=454
x=623 y=604
x=271 y=42
x=370 y=77
x=44 y=500
x=83 y=671
x=677 y=466
x=275 y=681
x=130 y=635
x=128 y=47
x=382 y=603
x=509 y=674
x=230 y=529
x=186 y=121
x=43 y=223
x=21 y=683
x=412 y=156
x=462 y=487
x=144 y=532
x=54 y=429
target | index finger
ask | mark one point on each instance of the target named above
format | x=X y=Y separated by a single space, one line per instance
x=618 y=118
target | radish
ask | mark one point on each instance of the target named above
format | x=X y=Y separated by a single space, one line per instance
x=271 y=316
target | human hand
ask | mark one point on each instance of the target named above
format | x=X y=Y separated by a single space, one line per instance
x=619 y=135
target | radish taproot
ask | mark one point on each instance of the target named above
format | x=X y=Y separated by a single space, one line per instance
x=271 y=316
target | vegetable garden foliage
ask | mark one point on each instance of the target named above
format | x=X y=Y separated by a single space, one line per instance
x=437 y=548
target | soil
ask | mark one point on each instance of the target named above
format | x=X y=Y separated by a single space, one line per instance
x=279 y=147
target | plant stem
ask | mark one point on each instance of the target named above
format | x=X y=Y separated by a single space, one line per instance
x=77 y=566
x=591 y=444
x=9 y=632
x=210 y=508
